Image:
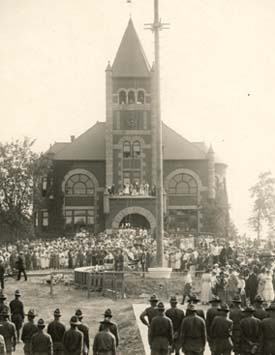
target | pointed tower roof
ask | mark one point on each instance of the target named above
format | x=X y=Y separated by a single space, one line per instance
x=130 y=60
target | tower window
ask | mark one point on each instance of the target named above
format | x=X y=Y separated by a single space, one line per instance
x=140 y=99
x=126 y=149
x=136 y=149
x=131 y=97
x=122 y=97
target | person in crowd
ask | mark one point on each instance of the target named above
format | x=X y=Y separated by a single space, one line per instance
x=268 y=291
x=193 y=333
x=85 y=330
x=206 y=287
x=29 y=329
x=104 y=341
x=187 y=290
x=17 y=312
x=41 y=343
x=251 y=285
x=2 y=274
x=7 y=330
x=112 y=325
x=150 y=312
x=73 y=338
x=3 y=350
x=251 y=333
x=56 y=330
x=268 y=332
x=161 y=333
x=176 y=315
x=221 y=332
x=21 y=266
x=3 y=307
x=221 y=283
x=259 y=310
x=236 y=314
x=211 y=313
x=231 y=287
x=194 y=300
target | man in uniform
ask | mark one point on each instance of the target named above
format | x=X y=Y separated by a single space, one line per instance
x=112 y=326
x=41 y=343
x=7 y=330
x=195 y=300
x=3 y=307
x=85 y=330
x=251 y=333
x=56 y=330
x=149 y=312
x=28 y=330
x=193 y=333
x=104 y=341
x=268 y=332
x=176 y=315
x=73 y=339
x=259 y=311
x=221 y=332
x=236 y=315
x=21 y=266
x=211 y=313
x=17 y=313
x=161 y=333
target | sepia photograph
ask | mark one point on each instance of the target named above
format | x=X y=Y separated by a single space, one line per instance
x=137 y=177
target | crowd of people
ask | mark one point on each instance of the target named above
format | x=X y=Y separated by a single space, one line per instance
x=53 y=338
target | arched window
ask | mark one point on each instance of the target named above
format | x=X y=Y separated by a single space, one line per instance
x=136 y=149
x=126 y=149
x=79 y=184
x=122 y=97
x=182 y=184
x=140 y=98
x=131 y=97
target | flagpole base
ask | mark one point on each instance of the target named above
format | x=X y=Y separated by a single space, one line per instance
x=159 y=272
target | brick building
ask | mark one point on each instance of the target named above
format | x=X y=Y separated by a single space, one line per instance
x=106 y=176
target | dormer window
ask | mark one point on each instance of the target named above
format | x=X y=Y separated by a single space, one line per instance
x=122 y=97
x=140 y=99
x=131 y=97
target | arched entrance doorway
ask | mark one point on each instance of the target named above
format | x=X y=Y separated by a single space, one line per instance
x=135 y=220
x=138 y=213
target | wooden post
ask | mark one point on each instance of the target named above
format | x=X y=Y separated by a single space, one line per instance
x=51 y=285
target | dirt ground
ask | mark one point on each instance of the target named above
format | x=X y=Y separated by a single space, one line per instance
x=36 y=294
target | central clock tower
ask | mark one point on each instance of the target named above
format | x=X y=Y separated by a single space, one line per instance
x=130 y=118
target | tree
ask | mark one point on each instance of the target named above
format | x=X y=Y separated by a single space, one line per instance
x=18 y=167
x=263 y=195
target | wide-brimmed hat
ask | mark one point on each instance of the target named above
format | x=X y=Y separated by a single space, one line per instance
x=224 y=308
x=108 y=313
x=173 y=299
x=249 y=309
x=41 y=323
x=215 y=299
x=79 y=313
x=161 y=306
x=74 y=320
x=153 y=298
x=57 y=312
x=31 y=313
x=17 y=293
x=271 y=307
x=236 y=299
x=258 y=299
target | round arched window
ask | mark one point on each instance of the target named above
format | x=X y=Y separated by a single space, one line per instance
x=131 y=97
x=182 y=184
x=122 y=97
x=126 y=149
x=79 y=184
x=136 y=149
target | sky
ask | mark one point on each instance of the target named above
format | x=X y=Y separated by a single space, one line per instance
x=217 y=75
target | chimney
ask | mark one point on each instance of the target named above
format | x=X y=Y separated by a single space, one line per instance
x=72 y=138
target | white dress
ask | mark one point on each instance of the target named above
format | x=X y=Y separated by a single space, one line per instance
x=268 y=291
x=206 y=284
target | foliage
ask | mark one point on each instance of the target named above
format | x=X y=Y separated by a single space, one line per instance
x=263 y=195
x=18 y=167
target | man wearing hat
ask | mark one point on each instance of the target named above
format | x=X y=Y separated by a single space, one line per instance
x=7 y=330
x=211 y=313
x=250 y=333
x=21 y=266
x=112 y=326
x=221 y=332
x=176 y=315
x=193 y=333
x=56 y=330
x=149 y=312
x=195 y=300
x=41 y=343
x=161 y=333
x=268 y=332
x=3 y=307
x=28 y=330
x=104 y=341
x=236 y=315
x=17 y=312
x=259 y=311
x=2 y=273
x=85 y=330
x=251 y=285
x=73 y=339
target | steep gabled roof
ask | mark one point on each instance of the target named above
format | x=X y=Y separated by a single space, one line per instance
x=130 y=60
x=88 y=146
x=177 y=147
x=57 y=147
